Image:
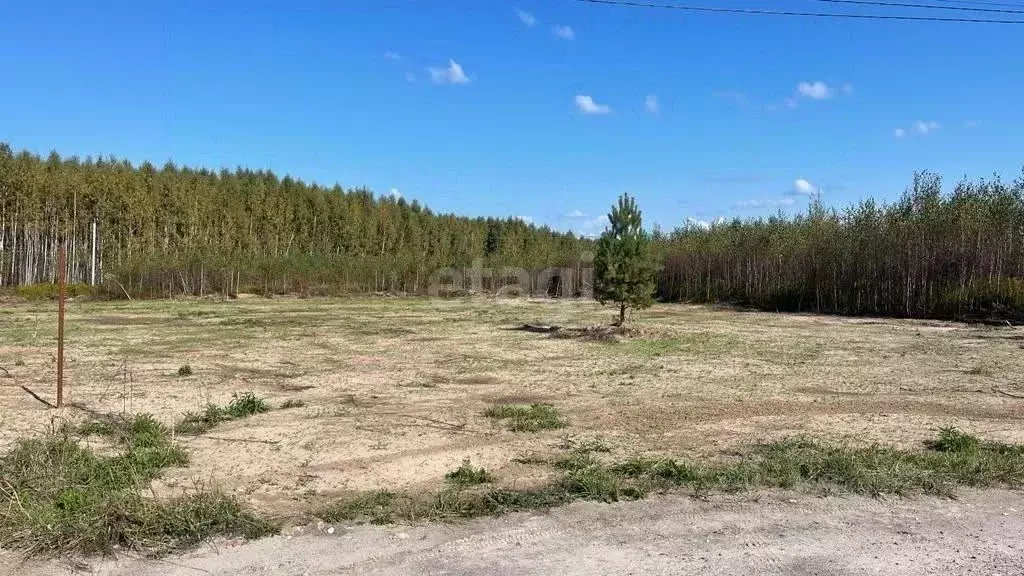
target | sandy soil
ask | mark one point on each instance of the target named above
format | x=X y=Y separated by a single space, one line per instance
x=772 y=534
x=394 y=388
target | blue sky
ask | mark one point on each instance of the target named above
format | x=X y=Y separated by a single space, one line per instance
x=493 y=107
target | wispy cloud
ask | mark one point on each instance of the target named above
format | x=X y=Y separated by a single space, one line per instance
x=576 y=214
x=816 y=90
x=392 y=55
x=847 y=88
x=587 y=105
x=526 y=18
x=970 y=124
x=410 y=77
x=804 y=187
x=525 y=219
x=920 y=128
x=393 y=193
x=564 y=32
x=767 y=203
x=451 y=74
x=651 y=104
x=789 y=103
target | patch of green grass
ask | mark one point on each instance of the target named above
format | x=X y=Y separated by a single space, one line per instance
x=695 y=344
x=954 y=460
x=377 y=507
x=241 y=406
x=57 y=496
x=468 y=475
x=185 y=371
x=527 y=417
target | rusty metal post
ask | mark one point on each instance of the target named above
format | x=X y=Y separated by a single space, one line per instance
x=62 y=288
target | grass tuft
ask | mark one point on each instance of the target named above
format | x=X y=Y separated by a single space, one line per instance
x=292 y=403
x=241 y=406
x=377 y=507
x=57 y=496
x=185 y=371
x=467 y=475
x=527 y=417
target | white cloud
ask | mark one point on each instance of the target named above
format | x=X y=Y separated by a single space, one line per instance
x=801 y=186
x=899 y=133
x=576 y=214
x=393 y=193
x=815 y=90
x=526 y=18
x=651 y=104
x=790 y=103
x=587 y=105
x=392 y=55
x=524 y=219
x=847 y=88
x=926 y=127
x=410 y=77
x=452 y=74
x=705 y=224
x=564 y=32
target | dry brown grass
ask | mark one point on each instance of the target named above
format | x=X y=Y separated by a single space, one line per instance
x=394 y=390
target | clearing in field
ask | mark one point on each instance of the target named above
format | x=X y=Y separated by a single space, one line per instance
x=361 y=400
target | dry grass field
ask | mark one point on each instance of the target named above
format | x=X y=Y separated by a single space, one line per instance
x=391 y=392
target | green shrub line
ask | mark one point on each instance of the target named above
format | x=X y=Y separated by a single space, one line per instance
x=952 y=461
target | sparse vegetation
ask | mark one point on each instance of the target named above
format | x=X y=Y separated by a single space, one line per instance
x=468 y=475
x=185 y=371
x=954 y=460
x=58 y=496
x=292 y=403
x=527 y=417
x=240 y=406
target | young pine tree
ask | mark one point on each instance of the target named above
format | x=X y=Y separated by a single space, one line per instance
x=624 y=271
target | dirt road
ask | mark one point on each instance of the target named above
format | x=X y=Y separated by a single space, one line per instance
x=981 y=534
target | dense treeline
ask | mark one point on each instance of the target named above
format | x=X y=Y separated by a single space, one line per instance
x=176 y=230
x=930 y=254
x=173 y=230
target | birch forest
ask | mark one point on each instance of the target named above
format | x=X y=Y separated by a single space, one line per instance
x=158 y=232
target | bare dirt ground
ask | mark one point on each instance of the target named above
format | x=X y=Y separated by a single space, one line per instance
x=394 y=389
x=982 y=533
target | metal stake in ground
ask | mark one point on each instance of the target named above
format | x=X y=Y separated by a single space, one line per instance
x=62 y=289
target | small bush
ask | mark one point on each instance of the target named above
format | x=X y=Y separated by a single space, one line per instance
x=292 y=403
x=467 y=475
x=185 y=371
x=527 y=417
x=246 y=404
